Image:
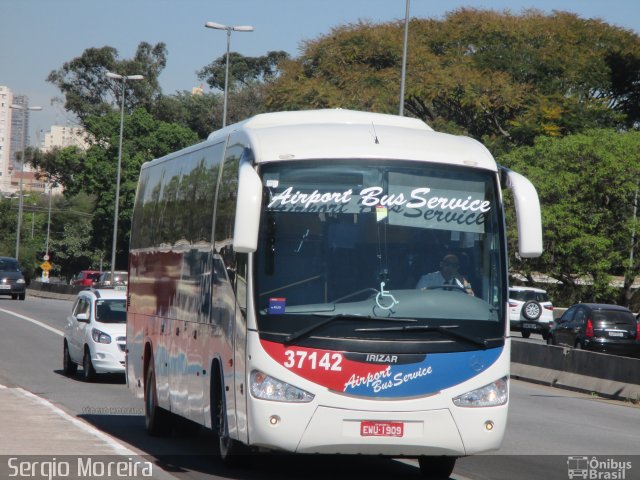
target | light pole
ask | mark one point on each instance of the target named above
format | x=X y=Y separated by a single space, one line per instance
x=49 y=221
x=24 y=127
x=124 y=79
x=404 y=58
x=240 y=28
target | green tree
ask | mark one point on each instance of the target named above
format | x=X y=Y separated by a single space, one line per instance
x=243 y=71
x=144 y=139
x=8 y=225
x=88 y=91
x=58 y=165
x=71 y=243
x=587 y=185
x=248 y=77
x=200 y=113
x=501 y=78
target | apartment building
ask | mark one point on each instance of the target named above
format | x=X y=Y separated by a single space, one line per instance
x=65 y=136
x=6 y=98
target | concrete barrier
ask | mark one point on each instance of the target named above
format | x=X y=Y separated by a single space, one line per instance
x=609 y=376
x=58 y=291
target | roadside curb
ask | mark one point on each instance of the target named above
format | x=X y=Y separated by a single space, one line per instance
x=34 y=429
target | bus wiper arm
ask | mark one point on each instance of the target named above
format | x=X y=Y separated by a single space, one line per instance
x=306 y=331
x=447 y=330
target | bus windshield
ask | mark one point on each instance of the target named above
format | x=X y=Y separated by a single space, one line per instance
x=348 y=247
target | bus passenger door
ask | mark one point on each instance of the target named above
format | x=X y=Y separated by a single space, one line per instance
x=239 y=283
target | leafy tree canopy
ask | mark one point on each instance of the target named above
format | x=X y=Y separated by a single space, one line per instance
x=587 y=184
x=499 y=77
x=243 y=71
x=88 y=91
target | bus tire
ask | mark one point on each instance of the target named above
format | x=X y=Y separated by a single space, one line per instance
x=436 y=468
x=230 y=450
x=156 y=419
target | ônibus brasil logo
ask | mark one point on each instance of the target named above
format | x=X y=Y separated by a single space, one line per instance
x=595 y=468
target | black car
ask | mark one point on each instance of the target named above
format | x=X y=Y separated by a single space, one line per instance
x=11 y=278
x=598 y=327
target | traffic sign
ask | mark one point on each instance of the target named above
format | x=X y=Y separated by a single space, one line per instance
x=46 y=266
x=46 y=257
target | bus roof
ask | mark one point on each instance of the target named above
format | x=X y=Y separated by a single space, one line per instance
x=338 y=133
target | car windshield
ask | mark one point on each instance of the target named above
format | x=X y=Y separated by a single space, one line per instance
x=9 y=265
x=363 y=241
x=111 y=311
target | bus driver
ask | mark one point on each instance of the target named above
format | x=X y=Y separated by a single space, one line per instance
x=447 y=275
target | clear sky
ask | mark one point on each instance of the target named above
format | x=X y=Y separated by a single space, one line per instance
x=38 y=36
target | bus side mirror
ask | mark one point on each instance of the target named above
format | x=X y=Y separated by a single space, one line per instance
x=245 y=230
x=527 y=214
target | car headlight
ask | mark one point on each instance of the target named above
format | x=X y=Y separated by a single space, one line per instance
x=269 y=388
x=20 y=280
x=492 y=395
x=99 y=336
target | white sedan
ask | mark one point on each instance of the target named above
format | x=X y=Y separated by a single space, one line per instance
x=95 y=334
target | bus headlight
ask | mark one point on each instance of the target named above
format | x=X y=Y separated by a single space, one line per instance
x=269 y=388
x=492 y=395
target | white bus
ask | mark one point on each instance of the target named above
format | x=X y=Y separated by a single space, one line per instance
x=272 y=288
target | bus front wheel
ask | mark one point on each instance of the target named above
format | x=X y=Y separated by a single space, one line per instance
x=436 y=468
x=230 y=450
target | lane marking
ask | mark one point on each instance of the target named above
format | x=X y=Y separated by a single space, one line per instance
x=34 y=321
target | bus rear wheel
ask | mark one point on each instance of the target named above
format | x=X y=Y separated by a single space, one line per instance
x=156 y=419
x=436 y=468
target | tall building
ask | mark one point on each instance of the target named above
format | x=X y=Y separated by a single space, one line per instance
x=6 y=98
x=19 y=131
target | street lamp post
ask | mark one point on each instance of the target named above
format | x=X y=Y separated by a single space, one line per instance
x=48 y=222
x=20 y=201
x=239 y=28
x=404 y=58
x=124 y=79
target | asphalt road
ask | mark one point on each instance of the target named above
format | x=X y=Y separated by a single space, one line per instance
x=546 y=425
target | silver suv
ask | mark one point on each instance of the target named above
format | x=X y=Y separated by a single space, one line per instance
x=530 y=310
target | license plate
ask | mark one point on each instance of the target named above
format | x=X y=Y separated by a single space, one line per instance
x=616 y=334
x=381 y=429
x=5 y=287
x=532 y=326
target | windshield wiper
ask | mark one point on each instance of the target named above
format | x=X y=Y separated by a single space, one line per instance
x=306 y=331
x=444 y=329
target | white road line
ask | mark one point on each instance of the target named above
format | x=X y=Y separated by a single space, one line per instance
x=34 y=321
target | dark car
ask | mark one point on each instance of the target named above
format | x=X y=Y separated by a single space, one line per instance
x=11 y=278
x=598 y=327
